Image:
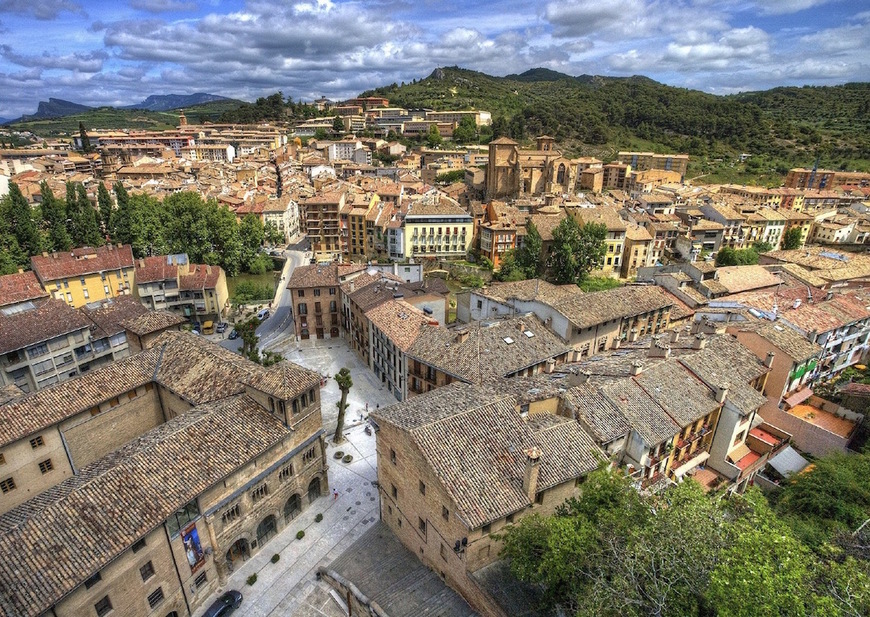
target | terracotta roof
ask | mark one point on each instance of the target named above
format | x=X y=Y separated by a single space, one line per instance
x=20 y=287
x=321 y=275
x=784 y=338
x=48 y=319
x=199 y=276
x=152 y=321
x=596 y=413
x=736 y=279
x=476 y=448
x=55 y=541
x=284 y=380
x=400 y=322
x=82 y=261
x=493 y=349
x=442 y=208
x=108 y=315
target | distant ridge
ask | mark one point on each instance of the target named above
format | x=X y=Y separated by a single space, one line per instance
x=54 y=108
x=165 y=102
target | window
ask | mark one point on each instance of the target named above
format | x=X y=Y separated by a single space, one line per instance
x=739 y=438
x=445 y=513
x=96 y=578
x=421 y=524
x=332 y=291
x=258 y=493
x=46 y=466
x=36 y=442
x=316 y=293
x=147 y=571
x=309 y=455
x=2 y=459
x=395 y=491
x=69 y=297
x=486 y=528
x=182 y=517
x=231 y=514
x=201 y=580
x=443 y=552
x=106 y=291
x=539 y=498
x=37 y=350
x=86 y=294
x=156 y=597
x=422 y=488
x=300 y=293
x=66 y=283
x=139 y=545
x=7 y=485
x=285 y=473
x=103 y=607
x=392 y=456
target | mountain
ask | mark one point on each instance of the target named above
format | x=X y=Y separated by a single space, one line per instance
x=165 y=102
x=595 y=115
x=6 y=120
x=55 y=108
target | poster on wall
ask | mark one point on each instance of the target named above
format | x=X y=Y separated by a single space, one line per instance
x=195 y=554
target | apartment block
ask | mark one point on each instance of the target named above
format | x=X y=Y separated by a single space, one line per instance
x=194 y=291
x=86 y=274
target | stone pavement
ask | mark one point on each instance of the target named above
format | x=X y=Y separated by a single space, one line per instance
x=289 y=588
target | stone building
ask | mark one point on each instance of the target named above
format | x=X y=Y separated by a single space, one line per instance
x=513 y=172
x=315 y=299
x=135 y=488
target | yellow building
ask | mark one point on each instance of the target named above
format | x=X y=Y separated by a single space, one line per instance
x=440 y=229
x=615 y=238
x=643 y=161
x=86 y=274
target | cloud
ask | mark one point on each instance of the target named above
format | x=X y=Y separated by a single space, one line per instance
x=738 y=44
x=40 y=9
x=584 y=17
x=85 y=63
x=163 y=6
x=782 y=7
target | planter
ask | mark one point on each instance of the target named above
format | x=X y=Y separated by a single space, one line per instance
x=338 y=454
x=347 y=458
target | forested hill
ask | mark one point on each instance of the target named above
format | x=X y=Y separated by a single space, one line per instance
x=622 y=111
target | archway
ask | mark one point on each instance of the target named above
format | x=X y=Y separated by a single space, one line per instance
x=238 y=552
x=293 y=507
x=267 y=528
x=560 y=174
x=313 y=490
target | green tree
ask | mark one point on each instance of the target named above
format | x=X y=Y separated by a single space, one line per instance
x=104 y=201
x=226 y=243
x=727 y=256
x=499 y=127
x=576 y=251
x=466 y=131
x=54 y=216
x=599 y=283
x=273 y=235
x=251 y=235
x=88 y=220
x=509 y=270
x=19 y=217
x=248 y=334
x=186 y=226
x=528 y=257
x=449 y=177
x=338 y=125
x=433 y=139
x=345 y=383
x=86 y=141
x=762 y=247
x=792 y=239
x=320 y=134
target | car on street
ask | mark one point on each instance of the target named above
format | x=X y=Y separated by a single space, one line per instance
x=224 y=605
x=233 y=335
x=263 y=315
x=221 y=327
x=197 y=328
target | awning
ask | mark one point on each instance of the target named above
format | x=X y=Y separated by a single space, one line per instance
x=691 y=464
x=787 y=462
x=799 y=397
x=738 y=453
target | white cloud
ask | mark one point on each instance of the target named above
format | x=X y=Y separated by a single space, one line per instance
x=86 y=63
x=40 y=9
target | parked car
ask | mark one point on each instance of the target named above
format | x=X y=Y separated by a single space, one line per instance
x=197 y=327
x=233 y=335
x=208 y=327
x=221 y=327
x=263 y=315
x=224 y=605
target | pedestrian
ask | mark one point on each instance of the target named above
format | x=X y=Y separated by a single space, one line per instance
x=334 y=494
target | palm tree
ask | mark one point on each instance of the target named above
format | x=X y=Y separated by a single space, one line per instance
x=345 y=383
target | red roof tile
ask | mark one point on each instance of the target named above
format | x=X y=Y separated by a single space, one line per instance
x=20 y=287
x=82 y=261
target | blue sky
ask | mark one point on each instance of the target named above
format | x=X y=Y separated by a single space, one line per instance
x=117 y=52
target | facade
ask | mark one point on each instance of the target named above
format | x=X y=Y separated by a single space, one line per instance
x=322 y=221
x=170 y=544
x=615 y=239
x=820 y=179
x=86 y=274
x=638 y=250
x=513 y=172
x=644 y=161
x=440 y=230
x=315 y=299
x=194 y=291
x=446 y=511
x=394 y=326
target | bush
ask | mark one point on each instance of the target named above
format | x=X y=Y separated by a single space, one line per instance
x=300 y=534
x=275 y=558
x=252 y=579
x=318 y=518
x=247 y=292
x=260 y=264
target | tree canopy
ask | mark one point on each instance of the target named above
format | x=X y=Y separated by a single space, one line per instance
x=576 y=251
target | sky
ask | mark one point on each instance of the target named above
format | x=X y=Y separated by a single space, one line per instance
x=117 y=52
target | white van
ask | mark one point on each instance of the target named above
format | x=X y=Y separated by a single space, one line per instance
x=263 y=315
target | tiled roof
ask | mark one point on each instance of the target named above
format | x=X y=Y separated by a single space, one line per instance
x=646 y=416
x=785 y=338
x=442 y=208
x=55 y=541
x=82 y=261
x=49 y=318
x=321 y=275
x=198 y=276
x=400 y=322
x=682 y=395
x=590 y=309
x=152 y=321
x=476 y=446
x=20 y=287
x=596 y=412
x=284 y=380
x=743 y=278
x=156 y=268
x=109 y=315
x=546 y=223
x=485 y=352
x=604 y=215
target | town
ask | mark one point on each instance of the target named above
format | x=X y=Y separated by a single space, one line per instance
x=528 y=337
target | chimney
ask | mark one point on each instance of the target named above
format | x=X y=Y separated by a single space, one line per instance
x=768 y=362
x=700 y=341
x=658 y=350
x=44 y=254
x=352 y=287
x=461 y=335
x=720 y=392
x=531 y=472
x=551 y=364
x=675 y=336
x=636 y=368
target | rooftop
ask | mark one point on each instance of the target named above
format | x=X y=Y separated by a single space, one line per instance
x=41 y=321
x=81 y=262
x=20 y=287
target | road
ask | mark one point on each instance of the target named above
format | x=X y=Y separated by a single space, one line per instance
x=280 y=322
